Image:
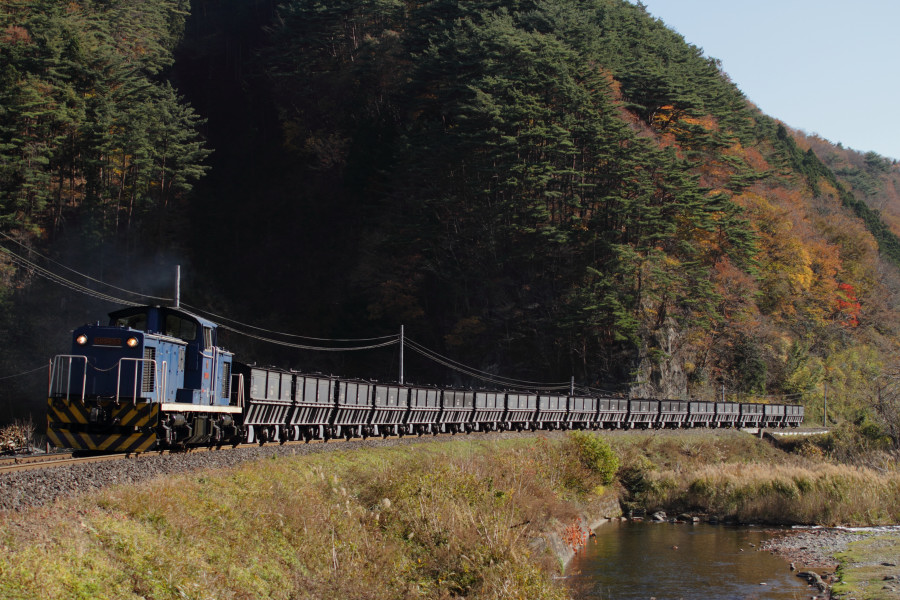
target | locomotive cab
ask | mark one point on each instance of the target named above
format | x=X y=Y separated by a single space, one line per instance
x=205 y=368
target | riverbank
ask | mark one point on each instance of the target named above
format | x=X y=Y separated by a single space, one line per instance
x=467 y=517
x=730 y=477
x=736 y=477
x=859 y=563
x=482 y=516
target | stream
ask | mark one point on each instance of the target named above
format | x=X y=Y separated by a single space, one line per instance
x=631 y=560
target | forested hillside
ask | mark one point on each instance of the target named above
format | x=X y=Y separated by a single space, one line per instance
x=537 y=189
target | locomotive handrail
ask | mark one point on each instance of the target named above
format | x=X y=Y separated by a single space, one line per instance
x=240 y=388
x=55 y=374
x=156 y=377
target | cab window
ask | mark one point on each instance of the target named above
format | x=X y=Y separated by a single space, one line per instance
x=182 y=329
x=137 y=321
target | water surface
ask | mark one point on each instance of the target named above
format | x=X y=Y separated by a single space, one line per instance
x=665 y=561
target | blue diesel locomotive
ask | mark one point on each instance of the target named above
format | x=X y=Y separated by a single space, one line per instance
x=155 y=378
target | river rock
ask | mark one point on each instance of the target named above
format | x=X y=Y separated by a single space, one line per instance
x=814 y=579
x=658 y=516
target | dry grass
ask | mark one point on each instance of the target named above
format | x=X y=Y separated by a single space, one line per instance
x=433 y=521
x=735 y=476
x=17 y=437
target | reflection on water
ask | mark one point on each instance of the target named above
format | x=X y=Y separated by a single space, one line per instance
x=630 y=560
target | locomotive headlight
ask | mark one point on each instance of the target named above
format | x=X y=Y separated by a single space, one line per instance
x=81 y=340
x=131 y=342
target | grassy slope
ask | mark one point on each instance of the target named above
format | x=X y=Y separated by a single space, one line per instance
x=430 y=521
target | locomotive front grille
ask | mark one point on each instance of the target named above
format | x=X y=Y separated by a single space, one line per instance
x=149 y=376
x=226 y=381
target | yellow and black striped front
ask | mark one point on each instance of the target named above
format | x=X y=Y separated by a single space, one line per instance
x=102 y=425
x=103 y=442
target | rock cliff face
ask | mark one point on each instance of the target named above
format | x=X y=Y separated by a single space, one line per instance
x=660 y=368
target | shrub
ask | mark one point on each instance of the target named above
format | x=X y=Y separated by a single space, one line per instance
x=596 y=455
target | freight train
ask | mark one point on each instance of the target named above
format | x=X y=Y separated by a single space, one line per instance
x=155 y=378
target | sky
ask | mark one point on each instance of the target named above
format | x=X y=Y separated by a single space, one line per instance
x=829 y=67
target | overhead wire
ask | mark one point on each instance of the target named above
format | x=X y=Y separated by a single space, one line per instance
x=80 y=274
x=285 y=334
x=391 y=342
x=483 y=375
x=59 y=279
x=25 y=373
x=451 y=361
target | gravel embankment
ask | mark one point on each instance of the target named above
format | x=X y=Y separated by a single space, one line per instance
x=24 y=489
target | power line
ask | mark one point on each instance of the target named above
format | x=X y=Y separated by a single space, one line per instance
x=25 y=373
x=435 y=354
x=483 y=375
x=285 y=334
x=49 y=275
x=40 y=271
x=79 y=273
x=394 y=340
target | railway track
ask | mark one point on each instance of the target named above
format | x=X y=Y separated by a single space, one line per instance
x=14 y=464
x=46 y=461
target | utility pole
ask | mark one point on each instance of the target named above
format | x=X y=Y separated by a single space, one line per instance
x=177 y=286
x=401 y=354
x=825 y=405
x=572 y=386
